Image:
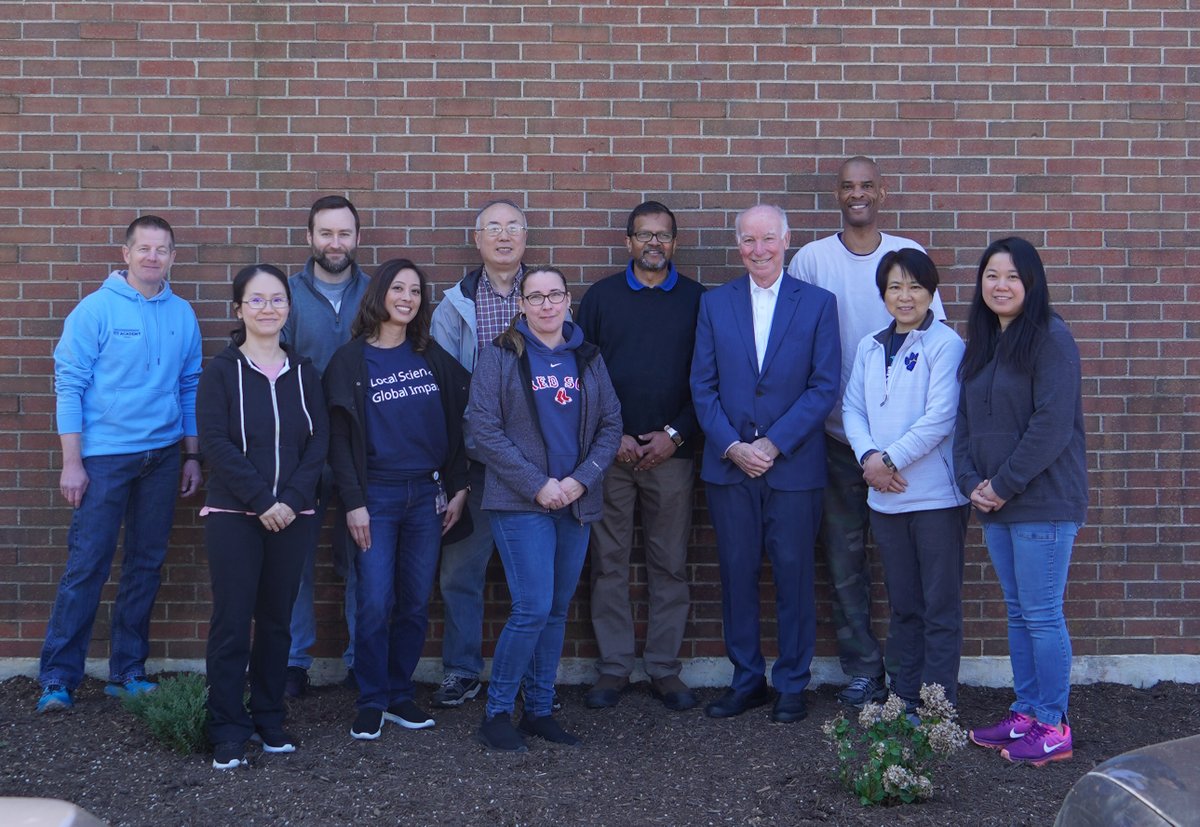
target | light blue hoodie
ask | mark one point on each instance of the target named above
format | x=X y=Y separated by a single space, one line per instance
x=126 y=369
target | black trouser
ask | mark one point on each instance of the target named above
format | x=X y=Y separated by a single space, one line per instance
x=922 y=555
x=255 y=574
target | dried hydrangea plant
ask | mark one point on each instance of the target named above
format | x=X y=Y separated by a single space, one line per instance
x=888 y=758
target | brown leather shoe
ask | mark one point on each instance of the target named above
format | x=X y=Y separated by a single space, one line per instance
x=606 y=693
x=673 y=693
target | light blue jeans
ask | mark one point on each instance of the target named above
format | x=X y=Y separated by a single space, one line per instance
x=1031 y=562
x=543 y=556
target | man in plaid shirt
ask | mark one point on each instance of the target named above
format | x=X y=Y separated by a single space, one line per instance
x=471 y=314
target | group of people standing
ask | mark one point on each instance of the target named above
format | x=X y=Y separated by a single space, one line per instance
x=833 y=402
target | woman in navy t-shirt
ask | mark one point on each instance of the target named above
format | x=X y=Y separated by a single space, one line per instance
x=396 y=402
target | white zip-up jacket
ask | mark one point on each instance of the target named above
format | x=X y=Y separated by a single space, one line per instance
x=909 y=412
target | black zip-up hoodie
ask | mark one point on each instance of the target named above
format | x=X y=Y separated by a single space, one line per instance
x=263 y=443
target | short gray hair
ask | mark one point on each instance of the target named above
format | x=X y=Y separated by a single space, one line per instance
x=780 y=214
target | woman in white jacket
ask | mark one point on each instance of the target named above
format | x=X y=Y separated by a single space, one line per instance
x=899 y=410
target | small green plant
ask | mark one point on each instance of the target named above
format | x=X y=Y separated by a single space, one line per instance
x=887 y=759
x=175 y=712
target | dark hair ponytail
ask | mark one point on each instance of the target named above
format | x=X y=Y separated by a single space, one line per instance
x=511 y=336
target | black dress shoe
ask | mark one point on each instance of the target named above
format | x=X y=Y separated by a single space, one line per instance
x=735 y=703
x=789 y=708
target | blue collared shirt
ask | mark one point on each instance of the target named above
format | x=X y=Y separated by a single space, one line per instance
x=668 y=282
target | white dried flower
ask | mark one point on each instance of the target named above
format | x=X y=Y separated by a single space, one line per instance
x=934 y=703
x=893 y=708
x=945 y=737
x=870 y=715
x=897 y=779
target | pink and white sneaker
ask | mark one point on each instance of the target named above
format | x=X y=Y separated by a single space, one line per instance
x=1008 y=730
x=1041 y=745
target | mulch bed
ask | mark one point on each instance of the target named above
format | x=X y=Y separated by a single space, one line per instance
x=639 y=765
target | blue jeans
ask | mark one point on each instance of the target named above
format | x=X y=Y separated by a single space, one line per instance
x=543 y=556
x=1031 y=561
x=395 y=578
x=139 y=490
x=464 y=572
x=304 y=623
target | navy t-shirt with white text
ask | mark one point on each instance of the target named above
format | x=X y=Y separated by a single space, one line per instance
x=406 y=428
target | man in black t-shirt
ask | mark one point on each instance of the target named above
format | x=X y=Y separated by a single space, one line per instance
x=644 y=321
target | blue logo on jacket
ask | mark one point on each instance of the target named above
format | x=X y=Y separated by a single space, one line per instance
x=910 y=361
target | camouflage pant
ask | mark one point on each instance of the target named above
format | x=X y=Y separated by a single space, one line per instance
x=844 y=538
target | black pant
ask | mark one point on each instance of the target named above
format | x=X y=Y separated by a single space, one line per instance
x=255 y=574
x=922 y=555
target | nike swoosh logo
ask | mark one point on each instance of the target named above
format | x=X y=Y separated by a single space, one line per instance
x=555 y=364
x=1016 y=736
x=1049 y=748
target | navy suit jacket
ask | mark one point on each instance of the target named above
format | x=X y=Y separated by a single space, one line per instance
x=787 y=401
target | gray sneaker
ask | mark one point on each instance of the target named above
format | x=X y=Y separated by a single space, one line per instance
x=861 y=691
x=455 y=691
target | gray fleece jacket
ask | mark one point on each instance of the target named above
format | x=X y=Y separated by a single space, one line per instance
x=503 y=422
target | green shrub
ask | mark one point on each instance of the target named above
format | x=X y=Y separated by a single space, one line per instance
x=175 y=712
x=888 y=760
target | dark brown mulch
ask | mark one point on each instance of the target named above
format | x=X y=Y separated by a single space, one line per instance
x=640 y=765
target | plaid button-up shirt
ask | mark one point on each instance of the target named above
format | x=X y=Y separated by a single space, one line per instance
x=493 y=312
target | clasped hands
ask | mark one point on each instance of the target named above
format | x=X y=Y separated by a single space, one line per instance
x=754 y=458
x=557 y=494
x=985 y=498
x=646 y=450
x=883 y=479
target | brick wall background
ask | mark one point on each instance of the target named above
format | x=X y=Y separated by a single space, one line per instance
x=1072 y=123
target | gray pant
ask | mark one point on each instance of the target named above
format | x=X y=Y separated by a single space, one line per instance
x=665 y=497
x=922 y=555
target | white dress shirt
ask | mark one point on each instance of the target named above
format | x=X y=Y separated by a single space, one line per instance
x=762 y=306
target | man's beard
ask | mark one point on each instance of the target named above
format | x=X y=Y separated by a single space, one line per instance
x=654 y=266
x=325 y=264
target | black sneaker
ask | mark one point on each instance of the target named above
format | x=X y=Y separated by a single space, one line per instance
x=498 y=733
x=861 y=691
x=547 y=728
x=455 y=691
x=367 y=725
x=275 y=740
x=228 y=755
x=408 y=715
x=296 y=683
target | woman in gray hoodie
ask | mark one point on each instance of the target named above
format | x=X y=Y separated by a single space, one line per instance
x=546 y=422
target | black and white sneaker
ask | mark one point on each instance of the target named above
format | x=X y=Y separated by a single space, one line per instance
x=455 y=691
x=367 y=725
x=408 y=715
x=275 y=740
x=229 y=755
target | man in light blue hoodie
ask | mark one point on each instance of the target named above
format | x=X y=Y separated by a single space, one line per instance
x=125 y=375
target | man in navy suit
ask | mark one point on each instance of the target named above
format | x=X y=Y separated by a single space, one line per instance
x=764 y=377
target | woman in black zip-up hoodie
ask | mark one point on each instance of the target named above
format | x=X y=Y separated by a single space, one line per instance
x=396 y=402
x=264 y=430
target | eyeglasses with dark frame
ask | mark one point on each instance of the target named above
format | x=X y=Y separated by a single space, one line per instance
x=663 y=237
x=538 y=299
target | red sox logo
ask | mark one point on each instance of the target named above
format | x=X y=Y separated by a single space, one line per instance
x=561 y=397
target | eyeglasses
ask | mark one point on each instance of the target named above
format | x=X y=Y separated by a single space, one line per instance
x=538 y=299
x=663 y=237
x=258 y=302
x=494 y=229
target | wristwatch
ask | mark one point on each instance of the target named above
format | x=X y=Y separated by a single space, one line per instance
x=891 y=466
x=675 y=436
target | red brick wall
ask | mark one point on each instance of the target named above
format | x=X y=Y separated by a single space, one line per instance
x=1075 y=127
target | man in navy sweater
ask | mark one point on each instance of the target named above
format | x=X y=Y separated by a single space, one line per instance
x=644 y=321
